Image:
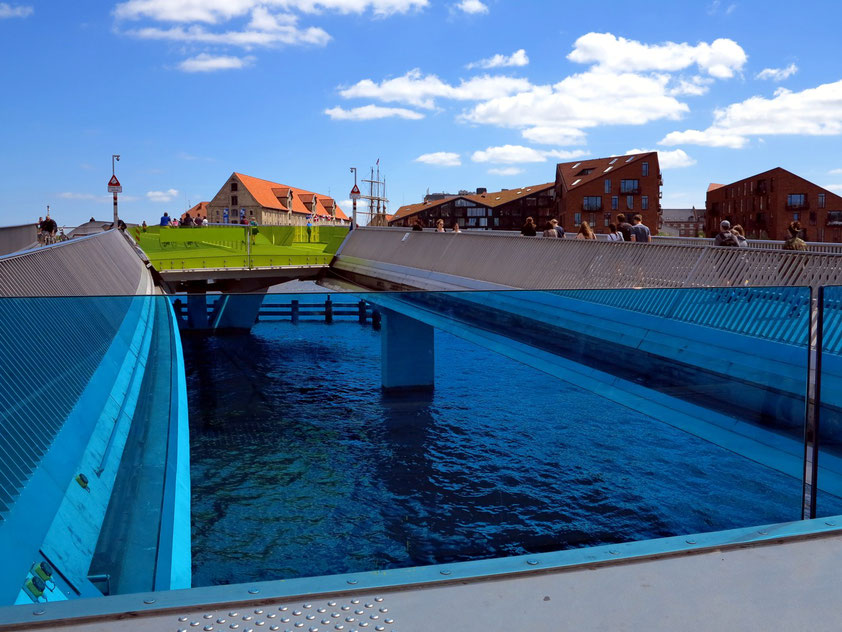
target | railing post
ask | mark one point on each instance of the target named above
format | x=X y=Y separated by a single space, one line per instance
x=361 y=306
x=375 y=319
x=328 y=310
x=813 y=404
x=294 y=314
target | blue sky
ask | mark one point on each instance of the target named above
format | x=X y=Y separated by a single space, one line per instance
x=448 y=95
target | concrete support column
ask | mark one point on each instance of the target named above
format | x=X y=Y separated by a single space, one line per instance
x=197 y=311
x=238 y=311
x=407 y=352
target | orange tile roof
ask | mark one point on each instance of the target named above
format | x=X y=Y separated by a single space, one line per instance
x=266 y=194
x=491 y=199
x=201 y=208
x=572 y=172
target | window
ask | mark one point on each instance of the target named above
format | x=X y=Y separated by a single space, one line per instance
x=592 y=203
x=615 y=202
x=233 y=186
x=821 y=200
x=812 y=218
x=608 y=185
x=795 y=200
x=234 y=201
x=476 y=212
x=576 y=165
x=629 y=186
x=612 y=162
x=463 y=202
x=795 y=217
x=575 y=182
x=644 y=202
x=607 y=169
x=630 y=158
x=606 y=218
x=584 y=172
x=630 y=202
x=577 y=218
x=645 y=168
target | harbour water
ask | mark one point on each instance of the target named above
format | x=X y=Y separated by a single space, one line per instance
x=301 y=466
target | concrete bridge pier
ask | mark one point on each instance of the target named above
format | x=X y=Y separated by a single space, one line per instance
x=237 y=311
x=197 y=310
x=407 y=353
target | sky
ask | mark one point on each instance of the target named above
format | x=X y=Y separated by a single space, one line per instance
x=447 y=95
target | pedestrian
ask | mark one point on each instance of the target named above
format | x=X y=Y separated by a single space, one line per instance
x=253 y=229
x=558 y=228
x=624 y=227
x=174 y=222
x=165 y=219
x=309 y=228
x=456 y=227
x=418 y=225
x=40 y=232
x=725 y=236
x=143 y=226
x=188 y=221
x=614 y=234
x=740 y=234
x=529 y=229
x=550 y=231
x=585 y=231
x=795 y=242
x=439 y=225
x=639 y=231
x=49 y=228
x=205 y=221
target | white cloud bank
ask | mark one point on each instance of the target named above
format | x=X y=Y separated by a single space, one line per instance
x=371 y=112
x=627 y=83
x=16 y=11
x=811 y=112
x=516 y=59
x=440 y=159
x=162 y=196
x=505 y=171
x=674 y=159
x=211 y=63
x=518 y=154
x=777 y=74
x=474 y=7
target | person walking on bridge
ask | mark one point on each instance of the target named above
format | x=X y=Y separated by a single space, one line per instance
x=49 y=228
x=725 y=236
x=639 y=231
x=624 y=227
x=529 y=228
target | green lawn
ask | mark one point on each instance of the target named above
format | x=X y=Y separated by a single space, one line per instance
x=225 y=246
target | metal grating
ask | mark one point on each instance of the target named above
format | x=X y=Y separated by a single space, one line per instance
x=536 y=263
x=104 y=264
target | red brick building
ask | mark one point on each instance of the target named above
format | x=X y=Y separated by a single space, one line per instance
x=765 y=204
x=497 y=210
x=596 y=190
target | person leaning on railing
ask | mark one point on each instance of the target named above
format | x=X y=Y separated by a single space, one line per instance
x=529 y=229
x=795 y=242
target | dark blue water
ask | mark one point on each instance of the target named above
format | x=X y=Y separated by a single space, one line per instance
x=301 y=466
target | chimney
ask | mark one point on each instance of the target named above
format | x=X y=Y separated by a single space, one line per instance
x=481 y=190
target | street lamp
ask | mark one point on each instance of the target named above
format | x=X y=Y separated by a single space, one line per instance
x=113 y=158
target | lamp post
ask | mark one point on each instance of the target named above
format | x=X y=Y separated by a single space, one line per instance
x=114 y=158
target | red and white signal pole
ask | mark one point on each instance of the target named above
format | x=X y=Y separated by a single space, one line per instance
x=355 y=195
x=114 y=186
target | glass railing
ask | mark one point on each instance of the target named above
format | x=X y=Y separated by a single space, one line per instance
x=181 y=248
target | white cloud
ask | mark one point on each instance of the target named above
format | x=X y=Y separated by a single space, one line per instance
x=834 y=187
x=215 y=11
x=211 y=63
x=440 y=159
x=518 y=154
x=835 y=172
x=517 y=58
x=674 y=159
x=162 y=196
x=371 y=112
x=420 y=90
x=811 y=112
x=505 y=171
x=549 y=135
x=247 y=38
x=777 y=74
x=18 y=11
x=694 y=86
x=472 y=7
x=583 y=100
x=722 y=58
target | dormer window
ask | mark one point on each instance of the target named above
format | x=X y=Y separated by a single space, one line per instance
x=584 y=172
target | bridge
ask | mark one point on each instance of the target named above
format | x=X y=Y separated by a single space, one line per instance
x=740 y=347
